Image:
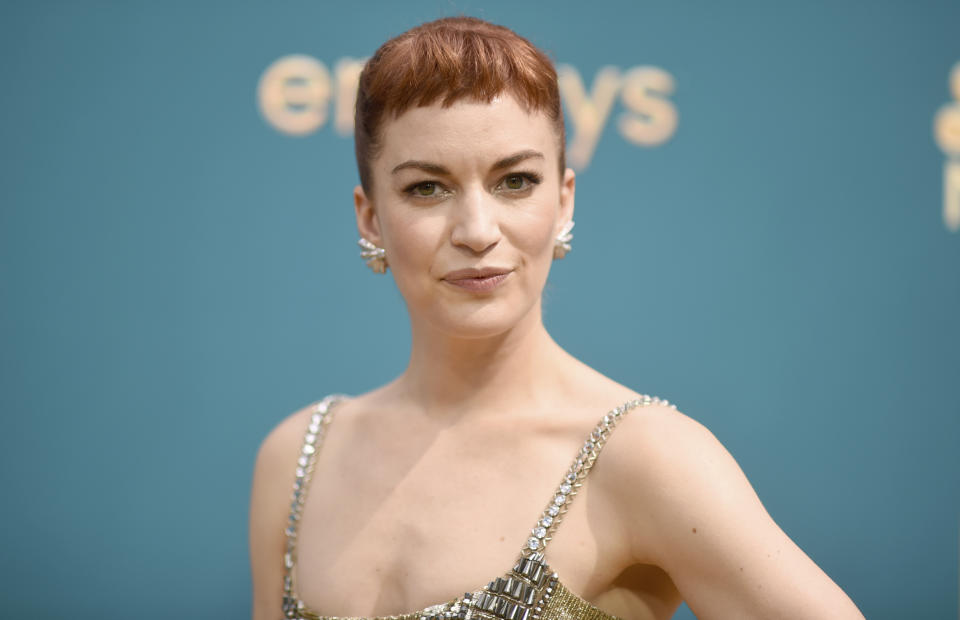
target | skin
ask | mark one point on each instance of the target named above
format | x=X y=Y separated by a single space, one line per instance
x=427 y=487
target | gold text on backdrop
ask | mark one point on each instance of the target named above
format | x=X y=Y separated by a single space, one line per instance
x=946 y=131
x=295 y=93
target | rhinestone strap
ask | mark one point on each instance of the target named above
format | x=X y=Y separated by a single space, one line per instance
x=308 y=452
x=553 y=514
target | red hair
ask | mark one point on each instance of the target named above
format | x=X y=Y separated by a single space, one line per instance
x=448 y=60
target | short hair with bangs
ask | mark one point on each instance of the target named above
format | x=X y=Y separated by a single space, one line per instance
x=448 y=60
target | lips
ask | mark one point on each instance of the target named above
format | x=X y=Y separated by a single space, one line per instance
x=477 y=280
x=484 y=272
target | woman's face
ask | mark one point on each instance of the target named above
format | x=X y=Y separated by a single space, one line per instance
x=465 y=191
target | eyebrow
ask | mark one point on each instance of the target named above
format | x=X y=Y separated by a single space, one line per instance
x=516 y=158
x=506 y=162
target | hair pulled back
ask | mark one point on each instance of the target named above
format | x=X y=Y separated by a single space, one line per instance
x=449 y=60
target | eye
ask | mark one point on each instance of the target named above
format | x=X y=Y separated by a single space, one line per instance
x=425 y=189
x=519 y=182
x=514 y=181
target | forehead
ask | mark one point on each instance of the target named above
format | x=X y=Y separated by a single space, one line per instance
x=467 y=132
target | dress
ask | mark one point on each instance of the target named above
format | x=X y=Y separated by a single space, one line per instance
x=528 y=591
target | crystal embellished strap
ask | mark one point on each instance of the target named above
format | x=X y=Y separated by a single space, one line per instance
x=553 y=514
x=312 y=439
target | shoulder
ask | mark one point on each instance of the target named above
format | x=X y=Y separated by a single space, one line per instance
x=674 y=469
x=277 y=458
x=270 y=497
x=661 y=454
x=663 y=442
x=691 y=511
x=279 y=448
x=658 y=436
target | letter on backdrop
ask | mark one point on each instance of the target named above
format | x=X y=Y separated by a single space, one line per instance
x=294 y=94
x=655 y=118
x=347 y=74
x=946 y=131
x=588 y=113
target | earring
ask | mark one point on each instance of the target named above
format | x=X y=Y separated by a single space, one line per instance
x=561 y=244
x=374 y=256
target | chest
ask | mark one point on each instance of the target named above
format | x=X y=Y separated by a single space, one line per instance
x=389 y=529
x=397 y=522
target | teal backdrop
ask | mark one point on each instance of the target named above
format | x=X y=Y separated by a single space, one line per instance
x=177 y=275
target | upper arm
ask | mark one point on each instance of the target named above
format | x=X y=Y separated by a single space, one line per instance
x=270 y=498
x=707 y=528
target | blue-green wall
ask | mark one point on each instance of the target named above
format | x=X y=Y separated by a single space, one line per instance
x=176 y=276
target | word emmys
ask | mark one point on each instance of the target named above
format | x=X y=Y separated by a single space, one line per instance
x=295 y=94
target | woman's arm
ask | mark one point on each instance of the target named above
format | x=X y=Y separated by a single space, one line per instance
x=273 y=478
x=709 y=531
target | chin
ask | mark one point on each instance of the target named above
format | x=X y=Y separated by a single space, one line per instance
x=459 y=314
x=475 y=327
x=479 y=322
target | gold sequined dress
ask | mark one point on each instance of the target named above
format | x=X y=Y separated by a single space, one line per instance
x=528 y=591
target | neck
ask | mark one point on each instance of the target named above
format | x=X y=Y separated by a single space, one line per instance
x=448 y=375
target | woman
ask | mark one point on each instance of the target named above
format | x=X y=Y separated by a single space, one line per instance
x=423 y=491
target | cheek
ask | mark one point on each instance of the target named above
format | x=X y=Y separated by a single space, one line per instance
x=410 y=241
x=534 y=237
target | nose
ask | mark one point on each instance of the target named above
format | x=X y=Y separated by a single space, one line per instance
x=475 y=221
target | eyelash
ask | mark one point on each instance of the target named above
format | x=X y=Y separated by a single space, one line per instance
x=532 y=178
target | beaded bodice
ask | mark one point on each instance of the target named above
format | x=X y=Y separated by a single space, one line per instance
x=528 y=591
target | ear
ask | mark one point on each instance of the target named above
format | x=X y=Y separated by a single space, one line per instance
x=567 y=190
x=368 y=225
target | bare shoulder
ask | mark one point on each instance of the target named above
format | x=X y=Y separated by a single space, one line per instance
x=273 y=478
x=277 y=461
x=656 y=444
x=651 y=456
x=279 y=447
x=691 y=510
